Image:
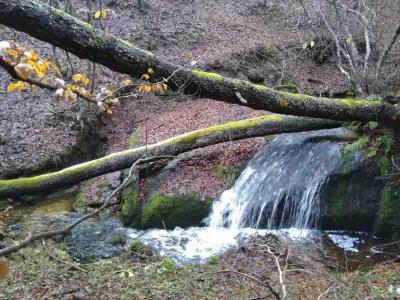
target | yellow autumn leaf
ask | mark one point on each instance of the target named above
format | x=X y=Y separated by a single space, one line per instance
x=127 y=82
x=158 y=87
x=147 y=88
x=100 y=14
x=31 y=55
x=31 y=88
x=141 y=88
x=283 y=103
x=3 y=269
x=165 y=86
x=12 y=53
x=150 y=71
x=40 y=68
x=146 y=76
x=23 y=70
x=80 y=78
x=69 y=94
x=55 y=69
x=16 y=87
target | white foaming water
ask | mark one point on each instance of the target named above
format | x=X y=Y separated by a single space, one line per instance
x=197 y=244
x=279 y=189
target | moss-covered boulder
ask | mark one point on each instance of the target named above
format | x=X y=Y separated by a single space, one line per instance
x=351 y=198
x=171 y=211
x=130 y=210
x=137 y=247
x=388 y=222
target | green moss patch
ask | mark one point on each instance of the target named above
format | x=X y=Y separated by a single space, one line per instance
x=130 y=210
x=389 y=214
x=171 y=211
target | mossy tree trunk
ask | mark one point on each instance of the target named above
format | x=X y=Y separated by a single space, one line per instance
x=82 y=39
x=259 y=126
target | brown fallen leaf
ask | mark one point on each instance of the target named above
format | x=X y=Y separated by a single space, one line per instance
x=3 y=269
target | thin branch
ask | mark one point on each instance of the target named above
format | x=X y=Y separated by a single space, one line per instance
x=385 y=52
x=265 y=284
x=281 y=273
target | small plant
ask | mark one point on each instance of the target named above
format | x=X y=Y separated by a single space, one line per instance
x=118 y=239
x=213 y=260
x=374 y=142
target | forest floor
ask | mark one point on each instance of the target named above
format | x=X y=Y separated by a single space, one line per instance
x=48 y=272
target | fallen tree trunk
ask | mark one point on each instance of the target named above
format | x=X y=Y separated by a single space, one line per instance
x=82 y=39
x=259 y=126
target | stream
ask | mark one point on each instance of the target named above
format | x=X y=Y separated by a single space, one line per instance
x=277 y=193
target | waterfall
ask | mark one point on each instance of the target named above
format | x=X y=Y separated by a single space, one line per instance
x=280 y=187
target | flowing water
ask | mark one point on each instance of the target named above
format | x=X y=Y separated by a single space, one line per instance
x=281 y=185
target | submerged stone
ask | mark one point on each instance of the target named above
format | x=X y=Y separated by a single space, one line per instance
x=94 y=240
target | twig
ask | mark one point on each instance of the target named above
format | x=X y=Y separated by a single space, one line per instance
x=281 y=273
x=325 y=293
x=70 y=264
x=266 y=284
x=373 y=249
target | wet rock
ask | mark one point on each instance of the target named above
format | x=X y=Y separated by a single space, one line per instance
x=95 y=240
x=131 y=207
x=137 y=247
x=171 y=211
x=388 y=221
x=351 y=199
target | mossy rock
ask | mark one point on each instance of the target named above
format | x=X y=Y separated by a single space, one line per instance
x=388 y=223
x=351 y=197
x=118 y=239
x=130 y=210
x=137 y=247
x=172 y=211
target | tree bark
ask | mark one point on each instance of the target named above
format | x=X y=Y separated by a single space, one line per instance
x=82 y=39
x=259 y=126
